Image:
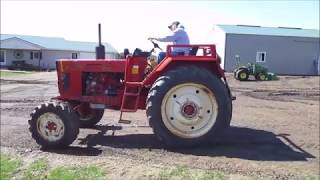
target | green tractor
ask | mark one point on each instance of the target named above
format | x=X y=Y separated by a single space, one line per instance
x=260 y=73
x=242 y=73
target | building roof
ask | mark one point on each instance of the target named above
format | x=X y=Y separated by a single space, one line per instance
x=58 y=43
x=271 y=31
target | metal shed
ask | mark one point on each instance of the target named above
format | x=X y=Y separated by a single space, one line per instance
x=283 y=50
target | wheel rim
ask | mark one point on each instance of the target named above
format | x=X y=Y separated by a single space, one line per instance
x=50 y=127
x=243 y=75
x=262 y=77
x=189 y=110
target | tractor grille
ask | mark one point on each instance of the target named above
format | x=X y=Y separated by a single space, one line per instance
x=65 y=81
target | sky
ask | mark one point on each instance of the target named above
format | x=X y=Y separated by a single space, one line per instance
x=128 y=24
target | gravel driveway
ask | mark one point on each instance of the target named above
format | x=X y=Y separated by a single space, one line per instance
x=274 y=133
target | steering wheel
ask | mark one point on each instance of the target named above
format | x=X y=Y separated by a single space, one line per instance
x=155 y=45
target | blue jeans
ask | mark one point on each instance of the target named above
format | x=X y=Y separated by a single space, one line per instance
x=162 y=55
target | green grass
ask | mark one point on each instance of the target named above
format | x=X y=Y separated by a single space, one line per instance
x=180 y=171
x=13 y=73
x=309 y=177
x=8 y=166
x=39 y=170
x=12 y=167
x=210 y=175
x=36 y=170
x=80 y=173
x=183 y=173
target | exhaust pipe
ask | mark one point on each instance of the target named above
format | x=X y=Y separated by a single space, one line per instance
x=100 y=50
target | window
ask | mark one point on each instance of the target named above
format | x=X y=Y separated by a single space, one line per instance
x=35 y=55
x=18 y=54
x=261 y=57
x=74 y=55
x=2 y=57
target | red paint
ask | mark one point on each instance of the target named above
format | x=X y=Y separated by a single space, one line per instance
x=189 y=110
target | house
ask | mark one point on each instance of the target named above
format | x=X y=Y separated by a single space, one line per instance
x=44 y=51
x=283 y=50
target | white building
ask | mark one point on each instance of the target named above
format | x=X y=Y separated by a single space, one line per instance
x=44 y=51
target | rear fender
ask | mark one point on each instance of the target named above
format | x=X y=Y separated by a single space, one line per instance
x=207 y=59
x=169 y=63
x=245 y=68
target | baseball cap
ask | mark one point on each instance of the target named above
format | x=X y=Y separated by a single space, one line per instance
x=174 y=23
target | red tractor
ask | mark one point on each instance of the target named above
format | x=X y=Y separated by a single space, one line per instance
x=186 y=97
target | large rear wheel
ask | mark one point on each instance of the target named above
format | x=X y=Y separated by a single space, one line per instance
x=188 y=106
x=242 y=74
x=54 y=125
x=235 y=75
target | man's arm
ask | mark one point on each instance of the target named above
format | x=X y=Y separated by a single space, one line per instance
x=170 y=38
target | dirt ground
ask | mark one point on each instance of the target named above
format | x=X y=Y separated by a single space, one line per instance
x=274 y=132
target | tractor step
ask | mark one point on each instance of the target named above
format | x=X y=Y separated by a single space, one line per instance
x=134 y=95
x=133 y=84
x=128 y=110
x=132 y=89
x=131 y=94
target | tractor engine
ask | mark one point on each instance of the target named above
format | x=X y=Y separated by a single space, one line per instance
x=101 y=83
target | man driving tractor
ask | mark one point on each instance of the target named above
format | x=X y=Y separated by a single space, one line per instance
x=179 y=36
x=187 y=100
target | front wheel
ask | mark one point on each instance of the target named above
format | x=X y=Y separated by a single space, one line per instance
x=54 y=125
x=188 y=106
x=261 y=77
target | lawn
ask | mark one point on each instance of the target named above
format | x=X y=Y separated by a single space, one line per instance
x=8 y=166
x=12 y=168
x=6 y=73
